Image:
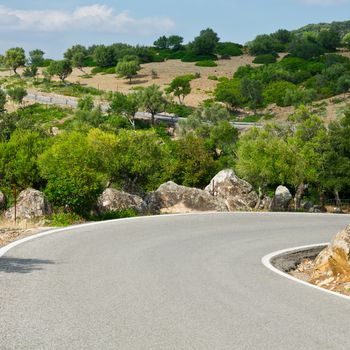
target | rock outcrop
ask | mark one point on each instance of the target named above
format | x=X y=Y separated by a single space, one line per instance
x=2 y=200
x=112 y=200
x=281 y=200
x=173 y=199
x=31 y=204
x=335 y=259
x=235 y=192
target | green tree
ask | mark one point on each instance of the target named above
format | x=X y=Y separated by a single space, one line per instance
x=228 y=91
x=337 y=156
x=152 y=100
x=61 y=68
x=18 y=159
x=125 y=105
x=251 y=91
x=15 y=58
x=72 y=172
x=77 y=55
x=306 y=47
x=175 y=42
x=329 y=39
x=36 y=58
x=192 y=164
x=127 y=69
x=205 y=43
x=104 y=56
x=346 y=40
x=162 y=43
x=180 y=87
x=264 y=44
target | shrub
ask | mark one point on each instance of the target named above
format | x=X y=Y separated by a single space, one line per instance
x=276 y=92
x=191 y=57
x=65 y=219
x=126 y=213
x=265 y=59
x=229 y=49
x=213 y=77
x=208 y=63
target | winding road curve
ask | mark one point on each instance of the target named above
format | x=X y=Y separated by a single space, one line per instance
x=170 y=282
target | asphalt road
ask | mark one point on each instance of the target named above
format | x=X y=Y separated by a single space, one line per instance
x=171 y=282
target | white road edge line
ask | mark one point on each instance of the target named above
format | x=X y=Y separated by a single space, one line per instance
x=266 y=260
x=9 y=246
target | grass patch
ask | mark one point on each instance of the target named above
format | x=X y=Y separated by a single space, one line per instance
x=65 y=219
x=126 y=213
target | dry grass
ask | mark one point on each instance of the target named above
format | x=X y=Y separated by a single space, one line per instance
x=9 y=231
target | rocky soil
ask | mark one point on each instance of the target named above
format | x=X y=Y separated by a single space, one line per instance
x=331 y=268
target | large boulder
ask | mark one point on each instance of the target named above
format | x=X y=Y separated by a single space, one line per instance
x=2 y=200
x=173 y=199
x=237 y=193
x=31 y=204
x=335 y=259
x=281 y=200
x=112 y=200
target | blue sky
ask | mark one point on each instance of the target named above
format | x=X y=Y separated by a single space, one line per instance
x=55 y=25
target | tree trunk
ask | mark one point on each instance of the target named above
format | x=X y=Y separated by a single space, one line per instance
x=259 y=199
x=299 y=195
x=337 y=198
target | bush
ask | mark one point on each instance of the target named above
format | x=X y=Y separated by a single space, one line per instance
x=191 y=57
x=103 y=70
x=65 y=219
x=208 y=63
x=126 y=213
x=276 y=92
x=213 y=77
x=229 y=49
x=265 y=59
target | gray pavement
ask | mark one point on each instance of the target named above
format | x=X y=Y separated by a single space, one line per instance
x=180 y=282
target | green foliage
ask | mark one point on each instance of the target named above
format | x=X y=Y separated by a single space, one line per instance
x=193 y=57
x=65 y=219
x=179 y=110
x=192 y=164
x=173 y=42
x=264 y=44
x=15 y=58
x=36 y=58
x=208 y=63
x=104 y=56
x=60 y=68
x=127 y=68
x=228 y=92
x=275 y=92
x=228 y=49
x=152 y=100
x=18 y=159
x=30 y=71
x=86 y=103
x=3 y=100
x=180 y=87
x=205 y=43
x=72 y=173
x=306 y=47
x=17 y=94
x=77 y=55
x=113 y=215
x=251 y=91
x=265 y=59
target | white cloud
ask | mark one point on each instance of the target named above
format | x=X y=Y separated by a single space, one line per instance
x=323 y=2
x=88 y=18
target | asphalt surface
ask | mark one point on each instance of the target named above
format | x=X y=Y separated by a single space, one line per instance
x=171 y=282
